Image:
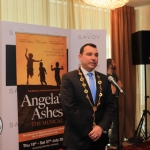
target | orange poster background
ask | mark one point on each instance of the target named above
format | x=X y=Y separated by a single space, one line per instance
x=41 y=133
x=50 y=49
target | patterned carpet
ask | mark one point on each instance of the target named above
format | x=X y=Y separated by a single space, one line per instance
x=140 y=146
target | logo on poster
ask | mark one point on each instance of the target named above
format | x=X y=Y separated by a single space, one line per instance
x=88 y=36
x=1 y=126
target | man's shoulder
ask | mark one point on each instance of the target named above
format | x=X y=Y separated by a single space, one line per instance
x=70 y=73
x=102 y=74
x=115 y=75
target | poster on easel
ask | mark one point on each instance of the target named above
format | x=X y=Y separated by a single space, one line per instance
x=40 y=62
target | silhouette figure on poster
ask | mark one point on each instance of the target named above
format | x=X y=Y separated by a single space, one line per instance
x=30 y=61
x=42 y=72
x=57 y=73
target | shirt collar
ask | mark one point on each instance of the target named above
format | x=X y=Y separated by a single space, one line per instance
x=85 y=72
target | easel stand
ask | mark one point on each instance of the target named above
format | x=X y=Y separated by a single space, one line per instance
x=139 y=130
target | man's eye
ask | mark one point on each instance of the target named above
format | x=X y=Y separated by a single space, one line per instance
x=96 y=55
x=89 y=54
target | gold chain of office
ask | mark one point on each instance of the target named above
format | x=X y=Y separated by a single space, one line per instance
x=94 y=107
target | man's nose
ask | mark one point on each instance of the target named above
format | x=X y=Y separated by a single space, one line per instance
x=94 y=57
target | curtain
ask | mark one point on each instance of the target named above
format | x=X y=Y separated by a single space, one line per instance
x=69 y=14
x=122 y=26
x=142 y=23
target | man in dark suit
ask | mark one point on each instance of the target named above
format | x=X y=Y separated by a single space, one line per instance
x=87 y=118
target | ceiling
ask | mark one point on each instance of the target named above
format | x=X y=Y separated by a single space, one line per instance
x=138 y=3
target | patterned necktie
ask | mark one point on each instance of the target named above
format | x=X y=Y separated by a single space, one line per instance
x=92 y=86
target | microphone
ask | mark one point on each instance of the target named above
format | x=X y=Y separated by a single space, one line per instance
x=111 y=79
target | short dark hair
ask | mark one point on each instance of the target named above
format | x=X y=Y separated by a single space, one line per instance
x=109 y=62
x=88 y=44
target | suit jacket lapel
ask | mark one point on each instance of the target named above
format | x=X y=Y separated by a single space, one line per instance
x=88 y=88
x=97 y=88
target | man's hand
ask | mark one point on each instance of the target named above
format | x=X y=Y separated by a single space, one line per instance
x=96 y=133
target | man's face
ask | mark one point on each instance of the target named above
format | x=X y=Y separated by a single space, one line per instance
x=89 y=58
x=113 y=65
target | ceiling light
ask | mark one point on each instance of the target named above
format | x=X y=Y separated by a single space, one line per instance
x=107 y=4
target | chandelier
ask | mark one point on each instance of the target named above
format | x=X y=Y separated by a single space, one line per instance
x=107 y=4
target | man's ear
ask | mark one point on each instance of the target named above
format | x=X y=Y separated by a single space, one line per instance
x=111 y=66
x=79 y=56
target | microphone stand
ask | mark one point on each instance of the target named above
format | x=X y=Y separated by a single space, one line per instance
x=111 y=79
x=119 y=145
